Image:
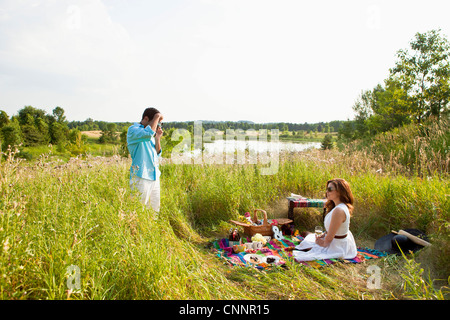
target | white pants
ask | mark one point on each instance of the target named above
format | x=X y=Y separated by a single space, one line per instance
x=149 y=190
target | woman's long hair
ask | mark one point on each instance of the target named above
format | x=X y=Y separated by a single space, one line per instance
x=345 y=195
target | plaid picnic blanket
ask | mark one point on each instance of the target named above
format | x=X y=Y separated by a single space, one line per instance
x=283 y=249
x=305 y=202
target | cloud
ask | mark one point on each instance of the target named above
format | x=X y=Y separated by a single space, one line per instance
x=53 y=44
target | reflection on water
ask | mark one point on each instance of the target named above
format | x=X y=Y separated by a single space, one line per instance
x=266 y=153
x=221 y=146
x=257 y=147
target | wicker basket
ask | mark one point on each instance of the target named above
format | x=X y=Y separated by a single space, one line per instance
x=265 y=229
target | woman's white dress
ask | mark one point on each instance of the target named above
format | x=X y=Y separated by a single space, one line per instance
x=338 y=248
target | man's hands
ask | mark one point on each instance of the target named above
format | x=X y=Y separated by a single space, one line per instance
x=159 y=132
x=153 y=123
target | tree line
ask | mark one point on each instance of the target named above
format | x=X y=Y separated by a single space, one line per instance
x=332 y=126
x=34 y=127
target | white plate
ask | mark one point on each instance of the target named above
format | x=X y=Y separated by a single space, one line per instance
x=277 y=259
x=254 y=258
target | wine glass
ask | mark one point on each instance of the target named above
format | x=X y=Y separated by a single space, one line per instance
x=319 y=231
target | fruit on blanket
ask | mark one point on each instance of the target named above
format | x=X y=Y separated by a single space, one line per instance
x=259 y=237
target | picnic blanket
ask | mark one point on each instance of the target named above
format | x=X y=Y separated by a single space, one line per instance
x=283 y=249
x=305 y=202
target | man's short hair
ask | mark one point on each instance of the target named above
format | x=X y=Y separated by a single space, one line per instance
x=150 y=113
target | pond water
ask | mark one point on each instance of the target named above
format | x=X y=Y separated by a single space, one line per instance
x=239 y=152
x=221 y=146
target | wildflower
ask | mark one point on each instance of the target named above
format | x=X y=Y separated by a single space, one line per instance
x=6 y=245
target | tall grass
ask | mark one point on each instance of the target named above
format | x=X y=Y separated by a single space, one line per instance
x=414 y=149
x=83 y=213
x=415 y=285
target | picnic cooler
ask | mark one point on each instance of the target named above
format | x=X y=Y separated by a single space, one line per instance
x=265 y=229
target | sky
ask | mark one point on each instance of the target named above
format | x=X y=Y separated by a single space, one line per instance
x=225 y=60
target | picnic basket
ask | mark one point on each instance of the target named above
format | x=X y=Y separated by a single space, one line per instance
x=265 y=229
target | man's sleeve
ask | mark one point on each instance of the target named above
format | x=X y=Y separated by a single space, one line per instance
x=136 y=134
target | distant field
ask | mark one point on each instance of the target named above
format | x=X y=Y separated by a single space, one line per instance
x=92 y=134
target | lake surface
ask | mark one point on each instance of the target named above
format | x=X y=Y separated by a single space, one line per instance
x=221 y=146
x=255 y=147
x=239 y=151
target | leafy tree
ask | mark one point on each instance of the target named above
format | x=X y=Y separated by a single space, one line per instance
x=42 y=127
x=75 y=137
x=28 y=115
x=58 y=114
x=392 y=104
x=417 y=88
x=346 y=132
x=381 y=109
x=327 y=142
x=31 y=135
x=58 y=133
x=11 y=135
x=108 y=133
x=4 y=119
x=34 y=126
x=123 y=144
x=76 y=145
x=363 y=109
x=424 y=73
x=89 y=124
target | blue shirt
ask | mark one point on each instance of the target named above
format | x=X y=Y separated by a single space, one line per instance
x=141 y=146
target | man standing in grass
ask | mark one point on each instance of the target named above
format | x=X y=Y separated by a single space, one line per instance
x=144 y=145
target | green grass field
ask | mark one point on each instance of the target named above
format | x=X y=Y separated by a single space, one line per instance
x=54 y=215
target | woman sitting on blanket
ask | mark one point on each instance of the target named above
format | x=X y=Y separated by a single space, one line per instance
x=337 y=241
